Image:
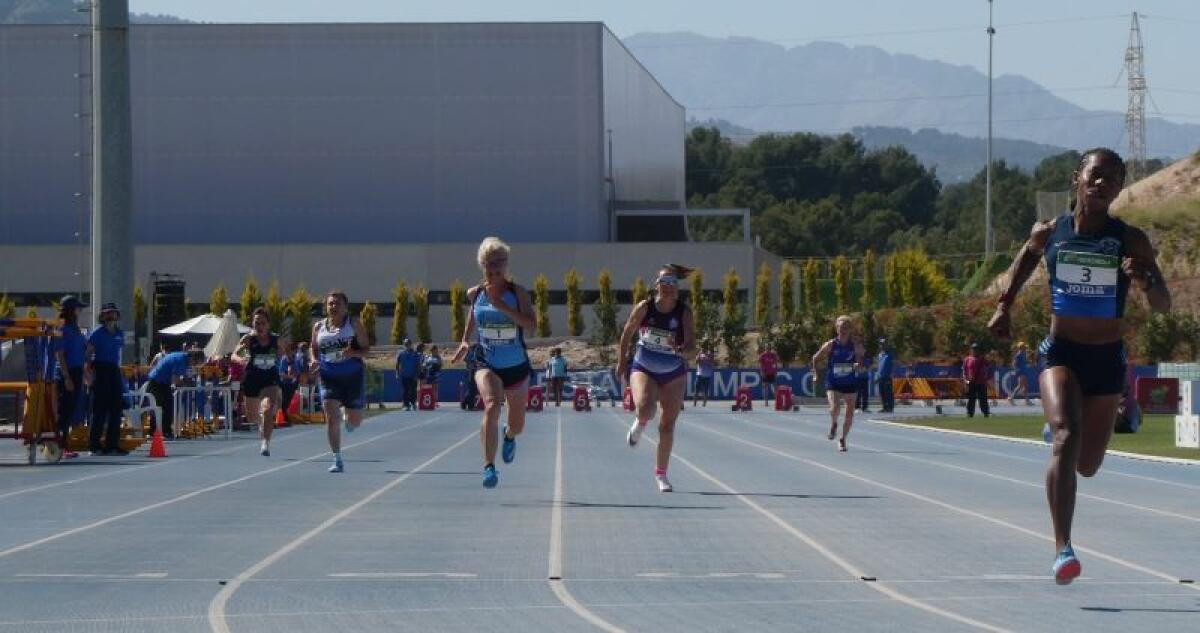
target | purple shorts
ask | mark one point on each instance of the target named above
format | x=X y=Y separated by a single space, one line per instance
x=661 y=378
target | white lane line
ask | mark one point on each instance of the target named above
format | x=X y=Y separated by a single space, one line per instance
x=122 y=471
x=555 y=567
x=846 y=566
x=194 y=493
x=989 y=475
x=216 y=608
x=402 y=574
x=143 y=575
x=948 y=506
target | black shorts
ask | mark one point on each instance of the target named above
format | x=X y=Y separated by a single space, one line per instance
x=848 y=389
x=703 y=383
x=769 y=379
x=254 y=384
x=512 y=376
x=350 y=389
x=1100 y=369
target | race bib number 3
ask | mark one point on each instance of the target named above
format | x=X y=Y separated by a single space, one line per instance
x=658 y=340
x=1087 y=274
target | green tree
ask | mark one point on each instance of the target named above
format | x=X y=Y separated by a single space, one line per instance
x=812 y=288
x=458 y=317
x=139 y=314
x=841 y=283
x=251 y=299
x=541 y=304
x=368 y=316
x=707 y=157
x=421 y=304
x=300 y=315
x=762 y=298
x=639 y=291
x=574 y=303
x=954 y=332
x=218 y=301
x=892 y=285
x=913 y=333
x=31 y=313
x=8 y=309
x=868 y=279
x=605 y=309
x=399 y=314
x=277 y=309
x=787 y=297
x=733 y=321
x=696 y=295
x=921 y=281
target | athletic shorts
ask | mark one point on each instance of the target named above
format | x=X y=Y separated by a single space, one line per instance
x=851 y=389
x=254 y=384
x=662 y=378
x=349 y=389
x=769 y=379
x=513 y=376
x=1100 y=369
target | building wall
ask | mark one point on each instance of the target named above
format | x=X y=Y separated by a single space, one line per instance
x=369 y=272
x=294 y=133
x=648 y=129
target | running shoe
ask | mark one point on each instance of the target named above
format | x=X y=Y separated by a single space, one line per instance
x=490 y=477
x=69 y=454
x=1066 y=566
x=1047 y=434
x=264 y=450
x=349 y=427
x=337 y=466
x=842 y=445
x=635 y=433
x=663 y=484
x=508 y=450
x=833 y=430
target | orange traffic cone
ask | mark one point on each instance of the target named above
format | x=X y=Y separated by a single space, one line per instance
x=157 y=448
x=280 y=420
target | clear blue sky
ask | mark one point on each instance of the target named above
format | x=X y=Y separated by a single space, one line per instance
x=1073 y=48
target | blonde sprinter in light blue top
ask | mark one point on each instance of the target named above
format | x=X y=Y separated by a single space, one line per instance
x=500 y=314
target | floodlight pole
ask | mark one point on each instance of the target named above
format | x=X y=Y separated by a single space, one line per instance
x=112 y=161
x=989 y=237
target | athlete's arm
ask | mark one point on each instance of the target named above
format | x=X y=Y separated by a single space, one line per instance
x=631 y=326
x=1142 y=269
x=524 y=317
x=1022 y=267
x=360 y=335
x=821 y=354
x=241 y=347
x=312 y=347
x=469 y=330
x=860 y=354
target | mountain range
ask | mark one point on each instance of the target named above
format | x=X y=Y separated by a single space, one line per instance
x=831 y=88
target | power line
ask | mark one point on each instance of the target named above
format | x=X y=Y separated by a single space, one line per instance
x=968 y=95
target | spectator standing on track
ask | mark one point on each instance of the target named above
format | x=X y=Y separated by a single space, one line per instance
x=883 y=376
x=705 y=366
x=103 y=371
x=556 y=372
x=768 y=371
x=69 y=352
x=975 y=373
x=432 y=365
x=408 y=369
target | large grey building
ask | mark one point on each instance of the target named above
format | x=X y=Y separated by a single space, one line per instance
x=292 y=133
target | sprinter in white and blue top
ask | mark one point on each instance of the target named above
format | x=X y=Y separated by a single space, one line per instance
x=500 y=313
x=1091 y=259
x=845 y=355
x=339 y=344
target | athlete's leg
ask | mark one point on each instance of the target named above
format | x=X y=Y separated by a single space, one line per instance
x=491 y=391
x=670 y=398
x=1062 y=403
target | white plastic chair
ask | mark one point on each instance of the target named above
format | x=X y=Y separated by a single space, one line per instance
x=142 y=401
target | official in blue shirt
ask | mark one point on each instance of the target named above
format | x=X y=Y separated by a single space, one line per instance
x=408 y=369
x=69 y=350
x=883 y=375
x=169 y=371
x=104 y=368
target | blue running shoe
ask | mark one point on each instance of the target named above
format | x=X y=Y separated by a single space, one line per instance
x=1066 y=566
x=508 y=450
x=490 y=477
x=1047 y=434
x=337 y=466
x=349 y=428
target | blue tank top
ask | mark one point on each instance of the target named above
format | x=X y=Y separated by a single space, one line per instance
x=658 y=336
x=1085 y=270
x=331 y=344
x=502 y=340
x=841 y=365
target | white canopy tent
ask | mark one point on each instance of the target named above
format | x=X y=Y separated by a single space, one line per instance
x=225 y=339
x=205 y=325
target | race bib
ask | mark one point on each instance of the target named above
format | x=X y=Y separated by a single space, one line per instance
x=657 y=340
x=498 y=334
x=333 y=356
x=1085 y=284
x=843 y=369
x=264 y=361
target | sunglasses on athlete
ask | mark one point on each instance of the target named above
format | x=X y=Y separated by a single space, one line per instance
x=667 y=280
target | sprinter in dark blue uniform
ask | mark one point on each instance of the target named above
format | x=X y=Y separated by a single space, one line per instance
x=1091 y=259
x=841 y=384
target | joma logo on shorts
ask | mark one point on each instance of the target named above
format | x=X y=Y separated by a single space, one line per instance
x=1084 y=289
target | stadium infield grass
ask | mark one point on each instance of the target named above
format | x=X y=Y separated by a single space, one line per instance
x=1155 y=437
